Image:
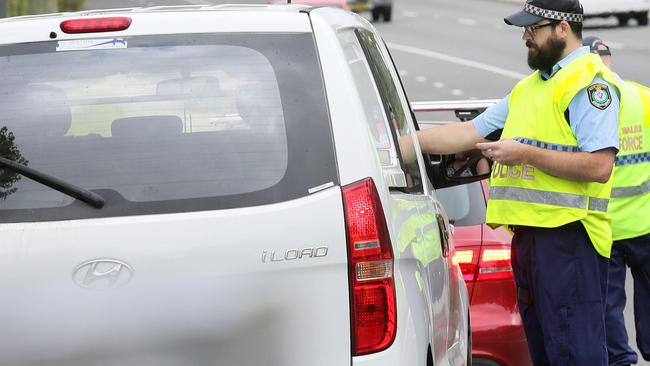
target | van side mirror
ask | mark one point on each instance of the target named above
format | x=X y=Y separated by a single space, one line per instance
x=466 y=165
x=458 y=169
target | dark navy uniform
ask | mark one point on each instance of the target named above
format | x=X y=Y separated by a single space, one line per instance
x=635 y=253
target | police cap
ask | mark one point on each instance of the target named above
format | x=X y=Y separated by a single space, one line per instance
x=536 y=10
x=593 y=42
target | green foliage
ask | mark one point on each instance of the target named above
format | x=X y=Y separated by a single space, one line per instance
x=27 y=7
x=70 y=5
x=9 y=150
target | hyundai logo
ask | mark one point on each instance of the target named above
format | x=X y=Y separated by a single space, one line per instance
x=102 y=274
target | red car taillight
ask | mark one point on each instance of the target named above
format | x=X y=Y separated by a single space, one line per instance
x=492 y=264
x=467 y=260
x=495 y=264
x=372 y=289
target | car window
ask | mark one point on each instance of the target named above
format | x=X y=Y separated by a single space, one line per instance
x=216 y=122
x=464 y=204
x=369 y=96
x=392 y=104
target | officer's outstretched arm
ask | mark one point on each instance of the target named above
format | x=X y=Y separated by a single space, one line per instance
x=449 y=138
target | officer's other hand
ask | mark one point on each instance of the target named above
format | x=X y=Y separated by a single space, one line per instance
x=506 y=151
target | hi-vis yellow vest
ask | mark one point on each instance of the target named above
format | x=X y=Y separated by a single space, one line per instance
x=525 y=195
x=630 y=202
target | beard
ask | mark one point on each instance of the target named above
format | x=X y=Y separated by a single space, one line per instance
x=544 y=57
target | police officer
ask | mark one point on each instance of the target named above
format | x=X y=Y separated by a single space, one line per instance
x=551 y=181
x=630 y=210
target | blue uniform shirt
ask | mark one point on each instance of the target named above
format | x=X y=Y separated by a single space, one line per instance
x=595 y=129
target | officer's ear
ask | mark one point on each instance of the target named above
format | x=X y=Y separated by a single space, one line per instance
x=563 y=29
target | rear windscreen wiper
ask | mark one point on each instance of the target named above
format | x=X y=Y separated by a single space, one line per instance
x=71 y=190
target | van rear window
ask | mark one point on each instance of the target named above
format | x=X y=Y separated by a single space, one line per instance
x=167 y=124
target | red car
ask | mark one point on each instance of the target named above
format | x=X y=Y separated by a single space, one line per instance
x=483 y=255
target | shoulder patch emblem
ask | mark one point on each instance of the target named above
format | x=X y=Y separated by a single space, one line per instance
x=599 y=96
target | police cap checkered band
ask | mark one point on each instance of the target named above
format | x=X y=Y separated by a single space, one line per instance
x=552 y=14
x=536 y=10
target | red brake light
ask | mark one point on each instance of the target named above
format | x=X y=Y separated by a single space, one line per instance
x=495 y=263
x=467 y=260
x=372 y=288
x=96 y=25
x=492 y=264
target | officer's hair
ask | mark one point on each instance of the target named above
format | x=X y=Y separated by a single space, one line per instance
x=577 y=29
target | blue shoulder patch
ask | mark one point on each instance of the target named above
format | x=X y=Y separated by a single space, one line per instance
x=599 y=96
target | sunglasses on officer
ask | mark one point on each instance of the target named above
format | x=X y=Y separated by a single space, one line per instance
x=532 y=29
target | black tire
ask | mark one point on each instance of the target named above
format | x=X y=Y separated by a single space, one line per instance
x=388 y=13
x=641 y=18
x=623 y=19
x=376 y=13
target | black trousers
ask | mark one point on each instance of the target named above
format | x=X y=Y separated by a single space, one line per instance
x=634 y=253
x=562 y=287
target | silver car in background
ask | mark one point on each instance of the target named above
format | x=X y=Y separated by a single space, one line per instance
x=623 y=10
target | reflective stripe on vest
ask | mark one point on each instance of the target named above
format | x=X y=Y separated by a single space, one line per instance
x=642 y=188
x=546 y=145
x=598 y=204
x=548 y=198
x=632 y=159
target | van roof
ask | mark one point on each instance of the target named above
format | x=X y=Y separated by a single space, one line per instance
x=291 y=8
x=163 y=20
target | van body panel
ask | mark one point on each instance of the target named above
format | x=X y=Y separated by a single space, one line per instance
x=234 y=285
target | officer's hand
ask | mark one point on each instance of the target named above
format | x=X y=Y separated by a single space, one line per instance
x=506 y=151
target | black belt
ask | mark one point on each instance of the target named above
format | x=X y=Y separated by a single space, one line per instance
x=570 y=226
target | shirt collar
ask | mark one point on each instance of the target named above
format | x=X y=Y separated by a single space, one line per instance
x=565 y=61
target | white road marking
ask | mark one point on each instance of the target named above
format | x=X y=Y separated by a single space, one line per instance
x=409 y=14
x=457 y=92
x=466 y=21
x=438 y=85
x=457 y=60
x=420 y=79
x=403 y=72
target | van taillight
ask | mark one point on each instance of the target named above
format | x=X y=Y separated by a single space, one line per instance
x=493 y=263
x=96 y=25
x=372 y=288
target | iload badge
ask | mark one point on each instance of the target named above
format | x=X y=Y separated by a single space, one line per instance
x=599 y=96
